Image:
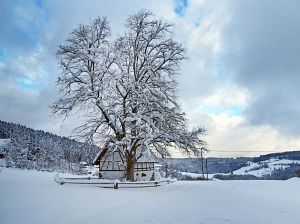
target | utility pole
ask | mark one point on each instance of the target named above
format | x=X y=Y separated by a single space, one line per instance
x=206 y=169
x=166 y=164
x=202 y=165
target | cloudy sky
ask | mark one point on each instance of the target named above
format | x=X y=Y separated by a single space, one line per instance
x=241 y=81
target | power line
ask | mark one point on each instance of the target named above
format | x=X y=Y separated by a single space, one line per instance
x=238 y=151
x=244 y=151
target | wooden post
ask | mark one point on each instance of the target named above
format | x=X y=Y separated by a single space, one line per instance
x=116 y=184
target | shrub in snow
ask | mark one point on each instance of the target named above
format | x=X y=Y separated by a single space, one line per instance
x=188 y=177
x=157 y=175
x=235 y=177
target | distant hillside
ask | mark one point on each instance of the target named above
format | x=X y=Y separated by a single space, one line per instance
x=271 y=166
x=292 y=155
x=36 y=149
x=215 y=165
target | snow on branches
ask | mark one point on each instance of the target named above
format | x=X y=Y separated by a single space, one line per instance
x=126 y=87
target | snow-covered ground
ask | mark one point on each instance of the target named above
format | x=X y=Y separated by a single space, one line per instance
x=34 y=197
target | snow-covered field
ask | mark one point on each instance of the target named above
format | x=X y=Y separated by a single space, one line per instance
x=34 y=197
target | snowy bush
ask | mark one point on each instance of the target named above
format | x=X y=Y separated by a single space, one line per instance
x=235 y=177
x=188 y=177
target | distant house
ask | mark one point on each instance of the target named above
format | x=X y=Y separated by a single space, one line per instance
x=112 y=165
x=83 y=164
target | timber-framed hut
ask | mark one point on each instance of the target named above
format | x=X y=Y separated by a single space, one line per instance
x=112 y=165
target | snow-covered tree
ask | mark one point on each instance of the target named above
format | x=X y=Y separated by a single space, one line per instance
x=126 y=88
x=32 y=149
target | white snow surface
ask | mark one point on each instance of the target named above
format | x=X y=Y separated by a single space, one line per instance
x=34 y=197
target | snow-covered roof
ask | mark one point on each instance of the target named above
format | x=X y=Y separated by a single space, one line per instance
x=142 y=155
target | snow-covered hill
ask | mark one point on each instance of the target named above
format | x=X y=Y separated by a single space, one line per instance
x=263 y=168
x=276 y=166
x=24 y=147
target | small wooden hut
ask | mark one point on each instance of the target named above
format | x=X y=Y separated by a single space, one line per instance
x=112 y=165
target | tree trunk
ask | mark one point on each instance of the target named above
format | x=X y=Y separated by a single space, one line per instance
x=130 y=167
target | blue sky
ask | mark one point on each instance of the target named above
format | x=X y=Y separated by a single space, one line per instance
x=181 y=6
x=240 y=80
x=2 y=54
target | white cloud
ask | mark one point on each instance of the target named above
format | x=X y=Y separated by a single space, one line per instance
x=226 y=121
x=228 y=94
x=208 y=90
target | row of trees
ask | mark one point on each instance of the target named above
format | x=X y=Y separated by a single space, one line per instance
x=31 y=149
x=126 y=88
